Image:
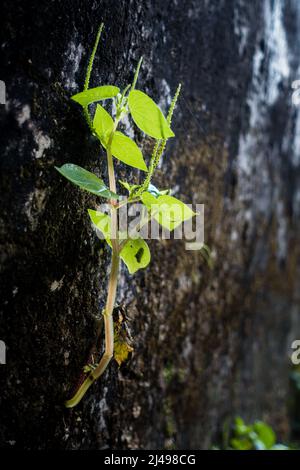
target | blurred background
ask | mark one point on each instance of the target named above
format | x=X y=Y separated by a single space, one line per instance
x=212 y=338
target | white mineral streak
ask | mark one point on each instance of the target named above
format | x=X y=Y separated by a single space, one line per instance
x=270 y=69
x=23 y=117
x=73 y=57
x=42 y=141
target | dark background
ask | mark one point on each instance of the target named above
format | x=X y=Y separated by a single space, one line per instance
x=208 y=343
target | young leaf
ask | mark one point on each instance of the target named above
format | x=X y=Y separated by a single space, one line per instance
x=265 y=434
x=127 y=151
x=86 y=180
x=167 y=210
x=130 y=187
x=84 y=98
x=103 y=124
x=135 y=254
x=241 y=444
x=172 y=212
x=147 y=115
x=240 y=428
x=149 y=200
x=102 y=222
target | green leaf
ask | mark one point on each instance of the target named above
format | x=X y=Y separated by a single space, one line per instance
x=127 y=151
x=86 y=180
x=102 y=222
x=240 y=427
x=150 y=201
x=136 y=255
x=130 y=187
x=103 y=124
x=95 y=94
x=147 y=115
x=265 y=434
x=241 y=444
x=167 y=210
x=173 y=212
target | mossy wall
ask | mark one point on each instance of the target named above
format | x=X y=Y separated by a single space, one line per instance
x=208 y=343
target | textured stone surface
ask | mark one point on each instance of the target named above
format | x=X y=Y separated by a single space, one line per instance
x=208 y=344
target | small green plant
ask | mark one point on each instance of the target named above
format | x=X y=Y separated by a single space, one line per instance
x=256 y=436
x=168 y=211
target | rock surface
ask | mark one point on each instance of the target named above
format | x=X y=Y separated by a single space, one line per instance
x=208 y=343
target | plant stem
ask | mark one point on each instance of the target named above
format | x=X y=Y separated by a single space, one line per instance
x=109 y=334
x=136 y=73
x=112 y=289
x=126 y=202
x=108 y=318
x=112 y=187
